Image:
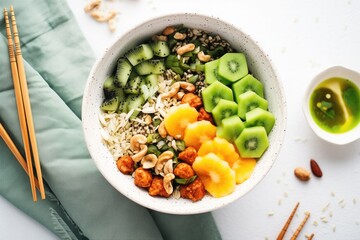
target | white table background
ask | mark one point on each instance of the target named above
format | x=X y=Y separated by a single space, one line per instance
x=302 y=38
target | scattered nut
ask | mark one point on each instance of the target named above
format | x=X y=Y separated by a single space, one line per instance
x=174 y=90
x=138 y=156
x=162 y=130
x=159 y=38
x=179 y=36
x=162 y=159
x=302 y=174
x=202 y=57
x=92 y=5
x=168 y=30
x=315 y=168
x=101 y=17
x=149 y=161
x=186 y=48
x=136 y=141
x=187 y=86
x=167 y=182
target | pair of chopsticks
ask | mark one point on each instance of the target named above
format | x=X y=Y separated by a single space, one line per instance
x=24 y=109
x=298 y=230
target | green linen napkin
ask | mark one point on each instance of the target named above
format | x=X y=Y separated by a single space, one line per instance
x=80 y=203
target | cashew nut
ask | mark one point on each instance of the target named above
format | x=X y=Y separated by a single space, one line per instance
x=180 y=95
x=100 y=17
x=187 y=86
x=148 y=119
x=167 y=183
x=159 y=38
x=168 y=167
x=168 y=30
x=162 y=159
x=93 y=4
x=149 y=161
x=174 y=90
x=179 y=36
x=202 y=57
x=138 y=156
x=186 y=48
x=136 y=141
x=162 y=130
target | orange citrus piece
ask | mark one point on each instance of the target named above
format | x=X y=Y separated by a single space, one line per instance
x=222 y=148
x=178 y=118
x=216 y=175
x=198 y=132
x=243 y=168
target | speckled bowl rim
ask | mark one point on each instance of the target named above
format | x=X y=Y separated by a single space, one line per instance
x=93 y=95
x=335 y=71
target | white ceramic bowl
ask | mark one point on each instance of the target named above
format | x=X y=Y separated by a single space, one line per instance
x=259 y=64
x=336 y=138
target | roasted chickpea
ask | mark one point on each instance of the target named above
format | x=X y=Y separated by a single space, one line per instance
x=125 y=164
x=203 y=115
x=188 y=155
x=184 y=170
x=192 y=99
x=143 y=177
x=157 y=187
x=194 y=191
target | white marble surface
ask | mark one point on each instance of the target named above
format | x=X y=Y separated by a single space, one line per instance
x=302 y=38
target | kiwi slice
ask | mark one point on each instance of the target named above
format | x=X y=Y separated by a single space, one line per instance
x=248 y=101
x=133 y=85
x=260 y=117
x=110 y=105
x=134 y=102
x=153 y=66
x=160 y=48
x=211 y=73
x=139 y=54
x=233 y=66
x=212 y=94
x=252 y=142
x=123 y=71
x=230 y=128
x=224 y=109
x=248 y=83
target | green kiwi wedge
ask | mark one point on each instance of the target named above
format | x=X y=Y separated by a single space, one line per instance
x=211 y=73
x=248 y=101
x=224 y=109
x=252 y=142
x=260 y=117
x=233 y=66
x=212 y=94
x=248 y=83
x=123 y=71
x=134 y=102
x=160 y=48
x=230 y=128
x=133 y=85
x=152 y=66
x=139 y=54
x=110 y=105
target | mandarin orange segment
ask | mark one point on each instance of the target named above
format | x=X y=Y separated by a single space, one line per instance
x=243 y=168
x=216 y=175
x=199 y=132
x=222 y=148
x=178 y=118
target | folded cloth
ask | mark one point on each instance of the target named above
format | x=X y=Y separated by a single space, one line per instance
x=80 y=203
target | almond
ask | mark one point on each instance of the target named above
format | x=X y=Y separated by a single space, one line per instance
x=302 y=174
x=315 y=169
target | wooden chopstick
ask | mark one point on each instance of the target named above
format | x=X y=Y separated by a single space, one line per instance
x=23 y=104
x=296 y=233
x=286 y=226
x=11 y=145
x=20 y=105
x=27 y=105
